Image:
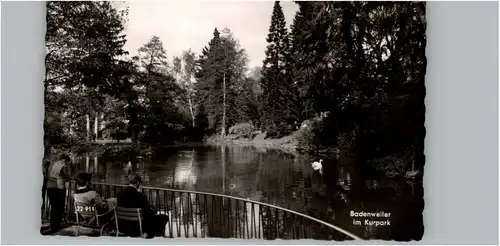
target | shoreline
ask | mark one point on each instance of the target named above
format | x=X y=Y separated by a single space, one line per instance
x=286 y=144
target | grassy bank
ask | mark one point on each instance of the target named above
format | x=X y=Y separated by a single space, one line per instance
x=287 y=143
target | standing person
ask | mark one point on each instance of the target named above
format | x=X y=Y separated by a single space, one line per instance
x=57 y=175
x=130 y=197
x=45 y=167
x=45 y=171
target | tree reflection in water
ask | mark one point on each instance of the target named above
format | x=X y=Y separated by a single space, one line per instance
x=277 y=178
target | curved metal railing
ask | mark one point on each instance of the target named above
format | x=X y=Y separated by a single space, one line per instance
x=205 y=214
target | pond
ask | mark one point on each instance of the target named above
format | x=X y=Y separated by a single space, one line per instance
x=278 y=178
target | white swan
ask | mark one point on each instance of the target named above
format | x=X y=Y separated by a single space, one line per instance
x=318 y=166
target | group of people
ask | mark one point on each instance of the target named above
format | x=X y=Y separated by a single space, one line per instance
x=55 y=178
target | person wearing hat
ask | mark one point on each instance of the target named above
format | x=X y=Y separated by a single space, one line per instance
x=130 y=197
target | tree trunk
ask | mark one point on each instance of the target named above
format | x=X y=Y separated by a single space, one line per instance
x=102 y=126
x=223 y=132
x=96 y=129
x=135 y=146
x=135 y=149
x=223 y=156
x=87 y=162
x=88 y=126
x=191 y=108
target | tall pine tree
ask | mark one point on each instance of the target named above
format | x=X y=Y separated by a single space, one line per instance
x=220 y=75
x=209 y=77
x=278 y=103
x=309 y=57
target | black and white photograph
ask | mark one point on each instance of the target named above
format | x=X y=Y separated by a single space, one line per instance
x=267 y=120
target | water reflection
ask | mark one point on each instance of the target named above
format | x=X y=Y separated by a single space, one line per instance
x=277 y=178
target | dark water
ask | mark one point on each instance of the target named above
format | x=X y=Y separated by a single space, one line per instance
x=281 y=179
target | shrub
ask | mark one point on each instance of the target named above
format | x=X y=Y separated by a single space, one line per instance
x=119 y=135
x=244 y=130
x=278 y=130
x=391 y=166
x=307 y=135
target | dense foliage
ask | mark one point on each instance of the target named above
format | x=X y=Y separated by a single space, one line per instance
x=93 y=92
x=84 y=41
x=351 y=73
x=227 y=95
x=279 y=109
x=361 y=65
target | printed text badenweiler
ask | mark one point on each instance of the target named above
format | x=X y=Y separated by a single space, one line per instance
x=382 y=218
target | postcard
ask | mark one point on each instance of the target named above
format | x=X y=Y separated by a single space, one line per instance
x=242 y=119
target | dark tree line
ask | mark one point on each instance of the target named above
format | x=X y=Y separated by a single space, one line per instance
x=91 y=89
x=358 y=69
x=94 y=92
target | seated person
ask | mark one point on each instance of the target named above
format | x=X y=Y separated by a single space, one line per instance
x=130 y=197
x=84 y=194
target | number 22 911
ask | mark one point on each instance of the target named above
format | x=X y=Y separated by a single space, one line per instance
x=85 y=209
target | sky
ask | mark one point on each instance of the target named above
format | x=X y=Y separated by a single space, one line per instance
x=189 y=24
